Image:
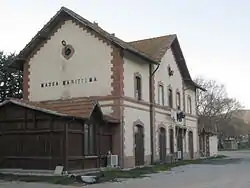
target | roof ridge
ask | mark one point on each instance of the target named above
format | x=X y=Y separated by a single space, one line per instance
x=156 y=37
x=23 y=54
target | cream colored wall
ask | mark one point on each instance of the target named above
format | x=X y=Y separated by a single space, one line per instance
x=106 y=106
x=174 y=81
x=92 y=58
x=130 y=116
x=190 y=93
x=164 y=120
x=213 y=145
x=130 y=68
x=191 y=124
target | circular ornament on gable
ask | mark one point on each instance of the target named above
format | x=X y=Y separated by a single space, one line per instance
x=68 y=51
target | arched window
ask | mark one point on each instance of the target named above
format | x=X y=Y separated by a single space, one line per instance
x=138 y=86
x=178 y=100
x=170 y=98
x=189 y=105
x=161 y=94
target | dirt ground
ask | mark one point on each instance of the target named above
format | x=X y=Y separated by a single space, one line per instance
x=222 y=173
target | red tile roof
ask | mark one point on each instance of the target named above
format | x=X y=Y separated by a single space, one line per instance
x=154 y=47
x=76 y=107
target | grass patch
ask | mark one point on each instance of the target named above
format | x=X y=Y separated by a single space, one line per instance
x=107 y=175
x=140 y=172
x=63 y=180
x=218 y=157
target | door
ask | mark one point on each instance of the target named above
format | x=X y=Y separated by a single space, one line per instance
x=139 y=145
x=179 y=135
x=207 y=146
x=171 y=140
x=191 y=144
x=162 y=144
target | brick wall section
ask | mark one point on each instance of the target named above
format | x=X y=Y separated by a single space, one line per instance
x=117 y=85
x=117 y=78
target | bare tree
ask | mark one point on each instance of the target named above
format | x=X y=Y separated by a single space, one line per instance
x=215 y=101
x=214 y=104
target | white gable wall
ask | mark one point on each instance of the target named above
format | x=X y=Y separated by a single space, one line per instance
x=92 y=58
x=174 y=81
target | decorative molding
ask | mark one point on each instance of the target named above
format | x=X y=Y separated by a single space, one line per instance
x=176 y=94
x=160 y=84
x=68 y=49
x=138 y=122
x=137 y=74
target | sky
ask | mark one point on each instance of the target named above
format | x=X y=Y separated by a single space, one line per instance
x=214 y=34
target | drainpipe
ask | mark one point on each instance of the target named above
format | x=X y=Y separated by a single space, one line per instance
x=152 y=71
x=184 y=110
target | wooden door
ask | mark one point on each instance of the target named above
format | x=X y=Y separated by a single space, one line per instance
x=179 y=135
x=171 y=140
x=191 y=144
x=207 y=145
x=162 y=144
x=139 y=146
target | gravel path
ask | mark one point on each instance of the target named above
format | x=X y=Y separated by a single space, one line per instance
x=223 y=173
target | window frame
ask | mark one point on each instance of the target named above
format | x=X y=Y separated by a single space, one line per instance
x=137 y=91
x=161 y=94
x=170 y=100
x=178 y=98
x=189 y=104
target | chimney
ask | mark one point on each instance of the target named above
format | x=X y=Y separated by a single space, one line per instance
x=113 y=34
x=95 y=23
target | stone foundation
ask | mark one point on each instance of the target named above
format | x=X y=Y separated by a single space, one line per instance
x=186 y=156
x=129 y=161
x=196 y=155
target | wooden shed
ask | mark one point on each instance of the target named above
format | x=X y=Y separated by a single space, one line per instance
x=41 y=135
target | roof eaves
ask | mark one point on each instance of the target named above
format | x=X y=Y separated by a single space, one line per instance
x=33 y=107
x=38 y=108
x=198 y=86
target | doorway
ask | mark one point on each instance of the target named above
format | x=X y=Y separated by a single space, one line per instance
x=171 y=141
x=162 y=144
x=191 y=144
x=179 y=137
x=139 y=145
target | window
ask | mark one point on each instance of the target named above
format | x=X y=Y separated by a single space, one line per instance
x=178 y=100
x=161 y=94
x=170 y=98
x=138 y=89
x=189 y=105
x=67 y=51
x=89 y=140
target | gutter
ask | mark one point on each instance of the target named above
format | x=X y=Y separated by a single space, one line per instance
x=152 y=71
